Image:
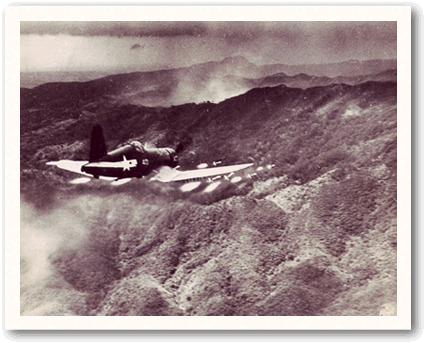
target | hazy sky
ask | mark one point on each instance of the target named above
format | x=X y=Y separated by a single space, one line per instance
x=69 y=46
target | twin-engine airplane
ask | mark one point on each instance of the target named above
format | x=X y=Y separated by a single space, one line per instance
x=136 y=160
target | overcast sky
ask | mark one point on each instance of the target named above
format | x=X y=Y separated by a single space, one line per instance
x=99 y=46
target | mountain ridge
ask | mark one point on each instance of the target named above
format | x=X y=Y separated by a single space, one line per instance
x=209 y=81
x=239 y=65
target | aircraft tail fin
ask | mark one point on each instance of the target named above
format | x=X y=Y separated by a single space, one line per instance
x=97 y=144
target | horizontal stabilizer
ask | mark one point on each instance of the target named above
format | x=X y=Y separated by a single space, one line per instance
x=75 y=167
x=72 y=166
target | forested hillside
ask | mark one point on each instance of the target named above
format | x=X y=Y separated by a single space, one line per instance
x=314 y=235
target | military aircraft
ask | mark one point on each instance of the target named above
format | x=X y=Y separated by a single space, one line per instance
x=135 y=160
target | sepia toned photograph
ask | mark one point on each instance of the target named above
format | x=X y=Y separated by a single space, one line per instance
x=208 y=168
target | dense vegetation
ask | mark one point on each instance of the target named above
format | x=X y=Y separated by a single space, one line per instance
x=315 y=235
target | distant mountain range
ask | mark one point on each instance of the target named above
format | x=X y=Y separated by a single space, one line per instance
x=211 y=81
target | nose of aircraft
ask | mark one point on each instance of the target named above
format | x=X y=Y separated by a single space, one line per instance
x=173 y=157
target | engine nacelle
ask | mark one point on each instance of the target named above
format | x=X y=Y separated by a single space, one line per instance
x=163 y=156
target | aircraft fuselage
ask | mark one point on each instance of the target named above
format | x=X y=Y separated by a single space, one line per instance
x=131 y=160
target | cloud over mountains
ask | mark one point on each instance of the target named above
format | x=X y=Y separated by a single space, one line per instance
x=184 y=43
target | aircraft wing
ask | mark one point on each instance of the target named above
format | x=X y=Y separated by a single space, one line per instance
x=167 y=174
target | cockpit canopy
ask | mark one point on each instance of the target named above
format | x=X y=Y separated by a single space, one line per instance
x=138 y=146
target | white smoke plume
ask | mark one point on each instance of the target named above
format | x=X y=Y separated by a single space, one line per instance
x=43 y=290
